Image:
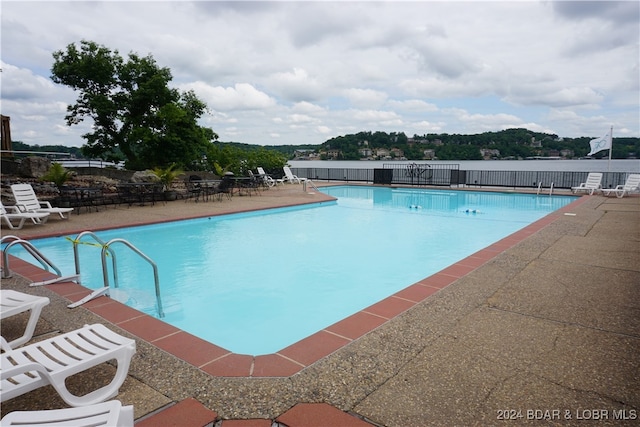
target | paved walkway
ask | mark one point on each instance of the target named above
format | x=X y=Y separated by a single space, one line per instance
x=546 y=332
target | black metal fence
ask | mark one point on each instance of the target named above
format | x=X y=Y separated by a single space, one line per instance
x=451 y=175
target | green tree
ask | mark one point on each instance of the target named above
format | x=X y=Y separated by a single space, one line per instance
x=134 y=111
x=458 y=152
x=232 y=158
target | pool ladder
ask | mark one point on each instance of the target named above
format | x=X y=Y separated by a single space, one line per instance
x=308 y=181
x=540 y=189
x=15 y=240
x=106 y=250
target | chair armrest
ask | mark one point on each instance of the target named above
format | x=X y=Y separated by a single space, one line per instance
x=45 y=205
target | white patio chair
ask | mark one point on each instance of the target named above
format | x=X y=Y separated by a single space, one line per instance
x=268 y=180
x=632 y=184
x=53 y=360
x=12 y=213
x=27 y=201
x=109 y=414
x=13 y=303
x=591 y=185
x=290 y=177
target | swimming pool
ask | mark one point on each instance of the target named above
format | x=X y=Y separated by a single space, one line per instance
x=254 y=283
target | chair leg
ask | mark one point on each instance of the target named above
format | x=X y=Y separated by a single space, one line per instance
x=104 y=393
x=10 y=224
x=31 y=325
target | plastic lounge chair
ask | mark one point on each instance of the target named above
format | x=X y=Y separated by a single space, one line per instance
x=290 y=177
x=15 y=214
x=110 y=414
x=53 y=360
x=27 y=201
x=13 y=303
x=591 y=185
x=268 y=179
x=632 y=184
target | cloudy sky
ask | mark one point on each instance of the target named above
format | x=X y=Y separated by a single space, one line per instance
x=302 y=72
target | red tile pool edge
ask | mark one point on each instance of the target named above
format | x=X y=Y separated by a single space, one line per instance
x=218 y=361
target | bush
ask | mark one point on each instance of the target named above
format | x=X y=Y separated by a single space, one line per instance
x=167 y=175
x=57 y=174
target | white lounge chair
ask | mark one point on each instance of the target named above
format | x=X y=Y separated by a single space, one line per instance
x=13 y=303
x=632 y=184
x=10 y=214
x=27 y=201
x=53 y=360
x=108 y=414
x=268 y=180
x=591 y=185
x=290 y=177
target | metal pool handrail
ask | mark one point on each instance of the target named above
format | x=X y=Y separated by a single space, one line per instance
x=106 y=247
x=540 y=189
x=15 y=240
x=76 y=256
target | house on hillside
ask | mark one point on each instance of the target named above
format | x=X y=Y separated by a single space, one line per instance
x=488 y=154
x=333 y=154
x=383 y=154
x=365 y=152
x=567 y=153
x=397 y=153
x=429 y=154
x=304 y=154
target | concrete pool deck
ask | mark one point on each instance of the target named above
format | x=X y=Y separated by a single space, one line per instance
x=543 y=323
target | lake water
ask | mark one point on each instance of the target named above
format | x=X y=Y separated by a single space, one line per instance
x=626 y=165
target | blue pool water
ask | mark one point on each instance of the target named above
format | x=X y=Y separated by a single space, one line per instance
x=255 y=283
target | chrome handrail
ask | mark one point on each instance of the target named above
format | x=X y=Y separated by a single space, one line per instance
x=540 y=188
x=106 y=247
x=304 y=185
x=15 y=240
x=101 y=242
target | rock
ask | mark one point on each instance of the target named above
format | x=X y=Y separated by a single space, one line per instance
x=144 y=176
x=34 y=167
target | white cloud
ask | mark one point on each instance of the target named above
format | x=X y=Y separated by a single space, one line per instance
x=488 y=119
x=296 y=85
x=308 y=108
x=413 y=105
x=424 y=127
x=365 y=98
x=23 y=84
x=242 y=96
x=301 y=119
x=564 y=97
x=372 y=116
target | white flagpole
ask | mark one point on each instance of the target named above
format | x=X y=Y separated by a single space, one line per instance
x=610 y=149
